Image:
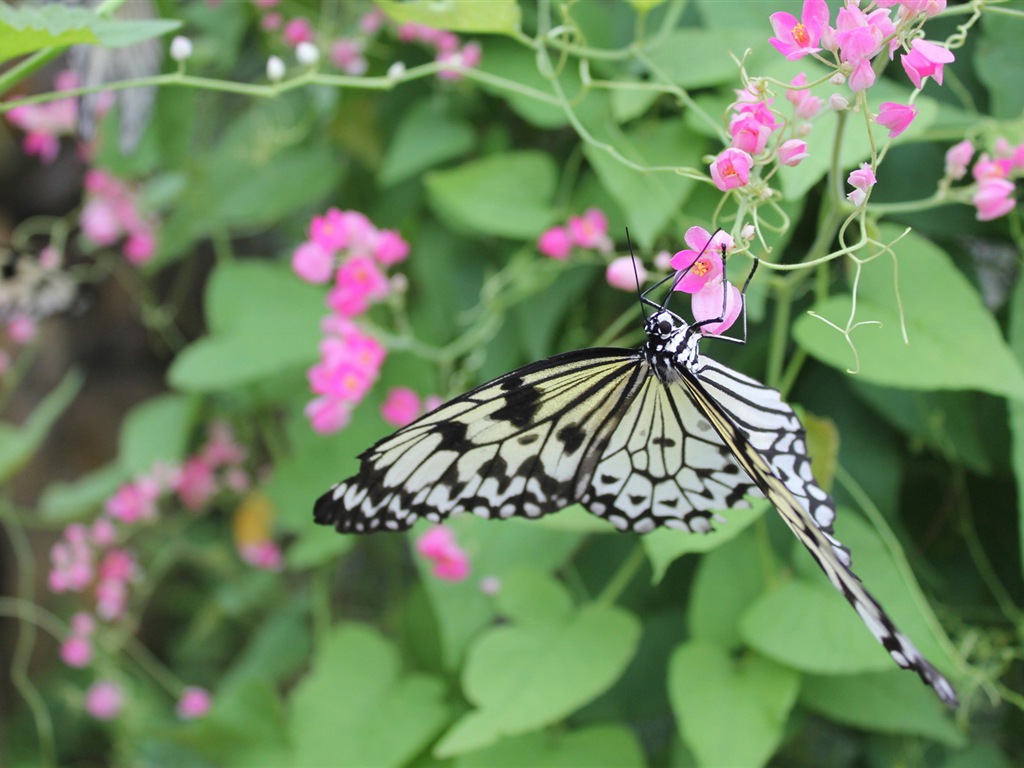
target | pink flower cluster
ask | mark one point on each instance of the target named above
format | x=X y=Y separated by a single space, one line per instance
x=403 y=406
x=589 y=231
x=347 y=246
x=111 y=212
x=86 y=557
x=448 y=49
x=451 y=563
x=713 y=298
x=44 y=124
x=862 y=180
x=993 y=191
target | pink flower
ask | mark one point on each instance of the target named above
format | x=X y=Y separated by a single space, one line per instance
x=401 y=407
x=896 y=117
x=330 y=231
x=792 y=152
x=194 y=702
x=111 y=599
x=83 y=624
x=328 y=415
x=100 y=221
x=862 y=76
x=958 y=157
x=271 y=22
x=703 y=260
x=76 y=651
x=118 y=565
x=265 y=555
x=71 y=559
x=312 y=262
x=438 y=544
x=298 y=30
x=620 y=273
x=988 y=168
x=707 y=305
x=555 y=243
x=925 y=59
x=927 y=7
x=358 y=282
x=103 y=532
x=44 y=124
x=347 y=55
x=760 y=110
x=994 y=198
x=590 y=230
x=140 y=246
x=731 y=169
x=195 y=484
x=805 y=104
x=221 y=447
x=390 y=248
x=748 y=134
x=794 y=38
x=134 y=501
x=104 y=700
x=861 y=180
x=21 y=329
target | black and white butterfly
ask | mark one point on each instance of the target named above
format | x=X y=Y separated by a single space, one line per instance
x=658 y=436
x=29 y=288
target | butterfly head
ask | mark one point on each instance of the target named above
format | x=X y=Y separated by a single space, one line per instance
x=670 y=342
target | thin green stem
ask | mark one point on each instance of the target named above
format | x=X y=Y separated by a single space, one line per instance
x=623 y=575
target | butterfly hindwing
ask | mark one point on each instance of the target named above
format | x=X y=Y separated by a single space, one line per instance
x=821 y=545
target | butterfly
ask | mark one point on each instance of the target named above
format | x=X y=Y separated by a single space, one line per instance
x=28 y=288
x=657 y=436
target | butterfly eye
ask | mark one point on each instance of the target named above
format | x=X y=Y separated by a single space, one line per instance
x=665 y=327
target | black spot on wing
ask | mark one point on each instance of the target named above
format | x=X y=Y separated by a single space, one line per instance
x=571 y=437
x=453 y=436
x=522 y=402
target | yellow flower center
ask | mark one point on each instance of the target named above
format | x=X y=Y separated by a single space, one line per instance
x=800 y=35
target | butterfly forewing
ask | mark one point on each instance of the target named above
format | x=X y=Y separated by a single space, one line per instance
x=518 y=445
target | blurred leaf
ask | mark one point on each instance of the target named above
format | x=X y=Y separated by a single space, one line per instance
x=699 y=57
x=496 y=549
x=524 y=676
x=808 y=625
x=728 y=581
x=711 y=693
x=469 y=16
x=664 y=546
x=508 y=195
x=883 y=702
x=245 y=727
x=156 y=431
x=18 y=443
x=979 y=754
x=930 y=287
x=263 y=320
x=649 y=198
x=30 y=28
x=427 y=136
x=598 y=746
x=316 y=546
x=822 y=447
x=278 y=647
x=998 y=60
x=356 y=708
x=64 y=502
x=1016 y=408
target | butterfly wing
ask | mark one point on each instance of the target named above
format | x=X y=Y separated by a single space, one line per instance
x=798 y=501
x=522 y=444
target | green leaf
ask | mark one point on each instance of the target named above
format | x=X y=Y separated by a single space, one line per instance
x=157 y=430
x=599 y=746
x=245 y=727
x=728 y=581
x=664 y=546
x=356 y=708
x=967 y=354
x=885 y=702
x=508 y=195
x=713 y=695
x=699 y=58
x=31 y=28
x=427 y=136
x=533 y=674
x=263 y=320
x=498 y=550
x=500 y=17
x=63 y=502
x=17 y=444
x=649 y=198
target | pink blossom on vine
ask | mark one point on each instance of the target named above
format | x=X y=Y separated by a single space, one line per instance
x=104 y=700
x=796 y=38
x=731 y=169
x=926 y=59
x=556 y=243
x=896 y=117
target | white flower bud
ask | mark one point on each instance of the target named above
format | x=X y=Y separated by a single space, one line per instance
x=837 y=102
x=307 y=54
x=181 y=48
x=396 y=70
x=837 y=79
x=275 y=69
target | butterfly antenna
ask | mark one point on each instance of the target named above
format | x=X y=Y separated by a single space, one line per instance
x=636 y=275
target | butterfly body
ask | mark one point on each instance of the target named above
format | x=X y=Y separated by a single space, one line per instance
x=657 y=437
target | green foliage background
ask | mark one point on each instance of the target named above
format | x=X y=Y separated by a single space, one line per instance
x=599 y=649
